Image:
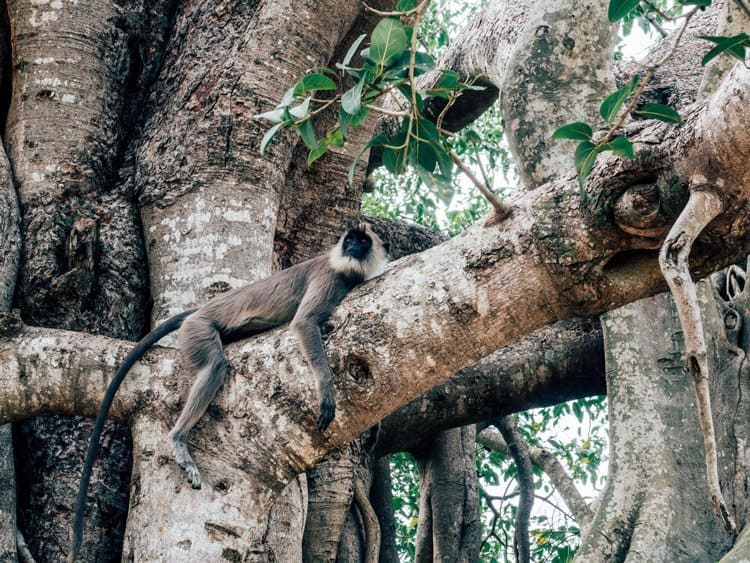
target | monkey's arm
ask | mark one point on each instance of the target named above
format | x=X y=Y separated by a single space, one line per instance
x=309 y=336
x=314 y=310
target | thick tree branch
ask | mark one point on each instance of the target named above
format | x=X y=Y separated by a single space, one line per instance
x=560 y=257
x=556 y=363
x=561 y=69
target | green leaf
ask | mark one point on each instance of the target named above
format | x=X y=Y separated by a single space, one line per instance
x=445 y=162
x=300 y=111
x=353 y=49
x=348 y=120
x=399 y=68
x=268 y=137
x=734 y=46
x=388 y=41
x=317 y=152
x=448 y=79
x=351 y=101
x=472 y=87
x=618 y=9
x=307 y=132
x=577 y=131
x=405 y=89
x=274 y=116
x=314 y=82
x=287 y=98
x=610 y=107
x=427 y=131
x=394 y=158
x=446 y=85
x=422 y=156
x=406 y=5
x=335 y=137
x=584 y=158
x=473 y=137
x=660 y=112
x=621 y=146
x=365 y=55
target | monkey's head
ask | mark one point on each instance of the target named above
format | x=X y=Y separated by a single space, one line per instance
x=359 y=252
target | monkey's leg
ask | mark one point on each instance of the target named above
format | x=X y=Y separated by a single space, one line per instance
x=210 y=376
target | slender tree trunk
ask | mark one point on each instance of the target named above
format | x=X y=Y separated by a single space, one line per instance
x=449 y=527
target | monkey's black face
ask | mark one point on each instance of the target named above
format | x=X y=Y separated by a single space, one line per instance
x=357 y=244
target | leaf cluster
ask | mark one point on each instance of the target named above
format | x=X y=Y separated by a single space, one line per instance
x=388 y=65
x=611 y=109
x=734 y=46
x=589 y=148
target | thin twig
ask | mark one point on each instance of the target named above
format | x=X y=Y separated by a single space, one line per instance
x=391 y=113
x=701 y=208
x=500 y=209
x=656 y=25
x=650 y=72
x=391 y=14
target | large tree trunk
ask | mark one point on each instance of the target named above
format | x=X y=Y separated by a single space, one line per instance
x=656 y=502
x=158 y=164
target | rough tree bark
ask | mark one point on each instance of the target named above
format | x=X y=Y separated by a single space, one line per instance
x=78 y=72
x=449 y=527
x=656 y=501
x=10 y=247
x=188 y=155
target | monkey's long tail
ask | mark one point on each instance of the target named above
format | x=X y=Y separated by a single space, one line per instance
x=170 y=325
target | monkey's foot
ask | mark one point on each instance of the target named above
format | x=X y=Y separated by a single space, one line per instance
x=185 y=461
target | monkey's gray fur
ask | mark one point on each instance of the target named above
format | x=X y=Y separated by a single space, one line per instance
x=304 y=294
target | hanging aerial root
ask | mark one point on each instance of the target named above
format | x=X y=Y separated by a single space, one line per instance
x=700 y=210
x=370 y=520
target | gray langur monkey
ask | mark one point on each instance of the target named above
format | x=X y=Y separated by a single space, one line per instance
x=304 y=294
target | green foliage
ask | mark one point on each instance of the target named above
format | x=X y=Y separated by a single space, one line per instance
x=387 y=64
x=388 y=42
x=448 y=207
x=405 y=486
x=575 y=432
x=618 y=9
x=734 y=46
x=612 y=104
x=576 y=131
x=652 y=12
x=658 y=111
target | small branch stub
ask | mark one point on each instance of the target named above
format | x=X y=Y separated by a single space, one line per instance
x=700 y=210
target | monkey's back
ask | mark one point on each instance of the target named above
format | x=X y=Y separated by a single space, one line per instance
x=261 y=305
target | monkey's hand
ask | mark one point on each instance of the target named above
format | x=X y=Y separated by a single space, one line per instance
x=327 y=409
